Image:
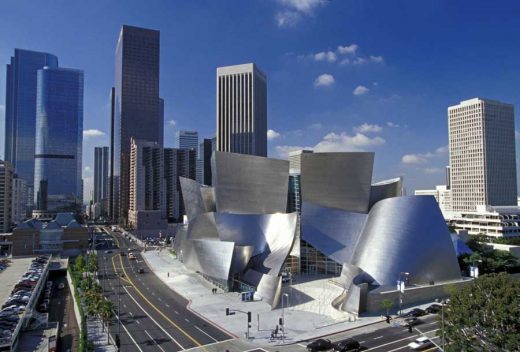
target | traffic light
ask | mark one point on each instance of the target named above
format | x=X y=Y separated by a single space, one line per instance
x=227 y=311
x=280 y=321
x=249 y=317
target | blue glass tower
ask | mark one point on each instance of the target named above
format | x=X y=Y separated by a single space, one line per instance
x=20 y=109
x=59 y=137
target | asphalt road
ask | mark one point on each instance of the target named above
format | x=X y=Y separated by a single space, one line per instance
x=154 y=318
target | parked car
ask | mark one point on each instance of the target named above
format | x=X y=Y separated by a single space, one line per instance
x=421 y=343
x=140 y=270
x=131 y=256
x=347 y=345
x=434 y=309
x=416 y=312
x=320 y=345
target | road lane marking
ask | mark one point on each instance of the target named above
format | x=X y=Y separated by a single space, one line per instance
x=397 y=349
x=176 y=312
x=154 y=341
x=379 y=337
x=187 y=321
x=128 y=333
x=154 y=307
x=389 y=343
x=167 y=305
x=138 y=322
x=205 y=333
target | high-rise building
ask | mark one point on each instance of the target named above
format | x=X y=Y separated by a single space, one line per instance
x=20 y=111
x=147 y=210
x=482 y=154
x=113 y=202
x=177 y=162
x=19 y=200
x=6 y=190
x=138 y=110
x=242 y=110
x=101 y=180
x=189 y=140
x=59 y=138
x=205 y=152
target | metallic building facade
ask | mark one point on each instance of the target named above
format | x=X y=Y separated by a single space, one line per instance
x=242 y=110
x=59 y=140
x=20 y=110
x=235 y=241
x=138 y=110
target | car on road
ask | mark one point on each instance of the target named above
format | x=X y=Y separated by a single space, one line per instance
x=131 y=256
x=420 y=344
x=140 y=270
x=416 y=312
x=320 y=345
x=411 y=321
x=347 y=345
x=434 y=309
x=108 y=252
x=61 y=286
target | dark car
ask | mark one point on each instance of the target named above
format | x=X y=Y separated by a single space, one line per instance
x=140 y=270
x=434 y=308
x=347 y=345
x=411 y=321
x=320 y=345
x=416 y=312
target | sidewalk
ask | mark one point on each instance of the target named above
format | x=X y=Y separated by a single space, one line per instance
x=299 y=324
x=96 y=334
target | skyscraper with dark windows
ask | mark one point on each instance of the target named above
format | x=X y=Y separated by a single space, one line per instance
x=20 y=111
x=59 y=137
x=101 y=180
x=177 y=162
x=242 y=110
x=205 y=152
x=138 y=110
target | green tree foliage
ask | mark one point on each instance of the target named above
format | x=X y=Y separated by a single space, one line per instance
x=489 y=260
x=92 y=265
x=387 y=304
x=484 y=315
x=79 y=264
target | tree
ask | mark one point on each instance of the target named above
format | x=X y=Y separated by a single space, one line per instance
x=484 y=315
x=387 y=304
x=92 y=265
x=106 y=312
x=79 y=265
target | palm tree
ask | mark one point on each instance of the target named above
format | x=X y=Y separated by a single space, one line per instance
x=106 y=312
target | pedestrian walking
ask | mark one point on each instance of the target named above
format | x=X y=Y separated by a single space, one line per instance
x=168 y=274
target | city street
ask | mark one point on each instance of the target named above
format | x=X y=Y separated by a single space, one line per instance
x=153 y=317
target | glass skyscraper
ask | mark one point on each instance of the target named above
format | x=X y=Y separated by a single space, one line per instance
x=138 y=110
x=59 y=137
x=101 y=163
x=20 y=110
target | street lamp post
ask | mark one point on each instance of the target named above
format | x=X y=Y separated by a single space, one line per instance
x=401 y=288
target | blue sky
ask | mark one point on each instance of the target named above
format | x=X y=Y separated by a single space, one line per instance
x=342 y=74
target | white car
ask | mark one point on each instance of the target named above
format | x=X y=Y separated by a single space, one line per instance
x=420 y=344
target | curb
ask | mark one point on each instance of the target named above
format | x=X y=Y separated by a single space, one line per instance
x=188 y=306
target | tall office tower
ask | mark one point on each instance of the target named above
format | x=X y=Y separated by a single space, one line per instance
x=113 y=202
x=146 y=210
x=59 y=139
x=189 y=140
x=242 y=110
x=101 y=172
x=20 y=111
x=6 y=189
x=205 y=152
x=177 y=162
x=482 y=154
x=19 y=200
x=138 y=110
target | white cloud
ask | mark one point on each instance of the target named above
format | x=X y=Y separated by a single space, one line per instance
x=343 y=142
x=305 y=6
x=92 y=133
x=344 y=61
x=360 y=90
x=368 y=128
x=348 y=49
x=272 y=134
x=284 y=150
x=315 y=126
x=287 y=18
x=377 y=59
x=414 y=159
x=172 y=123
x=293 y=11
x=442 y=150
x=329 y=56
x=392 y=125
x=324 y=80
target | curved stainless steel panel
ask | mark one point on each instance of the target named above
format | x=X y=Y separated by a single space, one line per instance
x=191 y=194
x=208 y=197
x=248 y=184
x=211 y=257
x=332 y=231
x=407 y=234
x=241 y=257
x=203 y=226
x=337 y=180
x=386 y=189
x=269 y=287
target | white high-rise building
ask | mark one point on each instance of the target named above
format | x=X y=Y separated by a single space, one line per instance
x=242 y=110
x=482 y=154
